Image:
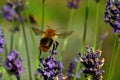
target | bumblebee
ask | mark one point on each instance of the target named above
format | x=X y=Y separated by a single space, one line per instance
x=49 y=37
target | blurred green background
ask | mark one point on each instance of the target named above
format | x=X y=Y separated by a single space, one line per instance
x=57 y=15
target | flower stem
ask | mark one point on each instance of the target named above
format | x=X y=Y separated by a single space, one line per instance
x=114 y=62
x=17 y=39
x=7 y=76
x=43 y=12
x=96 y=25
x=100 y=45
x=11 y=41
x=12 y=36
x=6 y=50
x=84 y=36
x=27 y=51
x=36 y=52
x=112 y=57
x=85 y=25
x=68 y=28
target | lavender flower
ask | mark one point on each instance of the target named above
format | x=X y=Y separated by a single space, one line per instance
x=50 y=68
x=2 y=41
x=72 y=68
x=11 y=11
x=93 y=64
x=112 y=15
x=14 y=64
x=8 y=12
x=73 y=4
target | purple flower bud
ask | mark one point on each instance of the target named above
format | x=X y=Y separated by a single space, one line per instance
x=112 y=15
x=12 y=55
x=93 y=63
x=2 y=41
x=73 y=4
x=14 y=64
x=50 y=68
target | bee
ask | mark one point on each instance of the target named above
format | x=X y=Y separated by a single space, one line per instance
x=49 y=37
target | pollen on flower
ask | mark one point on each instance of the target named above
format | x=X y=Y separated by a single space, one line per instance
x=112 y=15
x=50 y=68
x=93 y=63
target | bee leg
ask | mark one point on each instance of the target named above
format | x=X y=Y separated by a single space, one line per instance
x=53 y=47
x=56 y=45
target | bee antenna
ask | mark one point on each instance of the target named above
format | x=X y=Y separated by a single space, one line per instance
x=59 y=29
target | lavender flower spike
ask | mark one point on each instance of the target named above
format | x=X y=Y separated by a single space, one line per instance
x=2 y=41
x=8 y=12
x=14 y=64
x=73 y=4
x=112 y=15
x=50 y=68
x=72 y=68
x=92 y=63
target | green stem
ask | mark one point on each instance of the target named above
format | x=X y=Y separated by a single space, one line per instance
x=114 y=62
x=68 y=28
x=43 y=12
x=36 y=52
x=27 y=51
x=100 y=45
x=12 y=36
x=84 y=36
x=112 y=58
x=7 y=76
x=85 y=25
x=12 y=40
x=96 y=26
x=6 y=51
x=17 y=41
x=77 y=69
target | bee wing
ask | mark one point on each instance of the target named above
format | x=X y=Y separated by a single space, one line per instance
x=64 y=34
x=37 y=31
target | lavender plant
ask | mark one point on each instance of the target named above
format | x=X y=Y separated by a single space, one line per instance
x=73 y=4
x=2 y=41
x=71 y=69
x=112 y=15
x=50 y=67
x=14 y=64
x=93 y=63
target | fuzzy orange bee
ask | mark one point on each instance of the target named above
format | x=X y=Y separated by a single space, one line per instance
x=49 y=38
